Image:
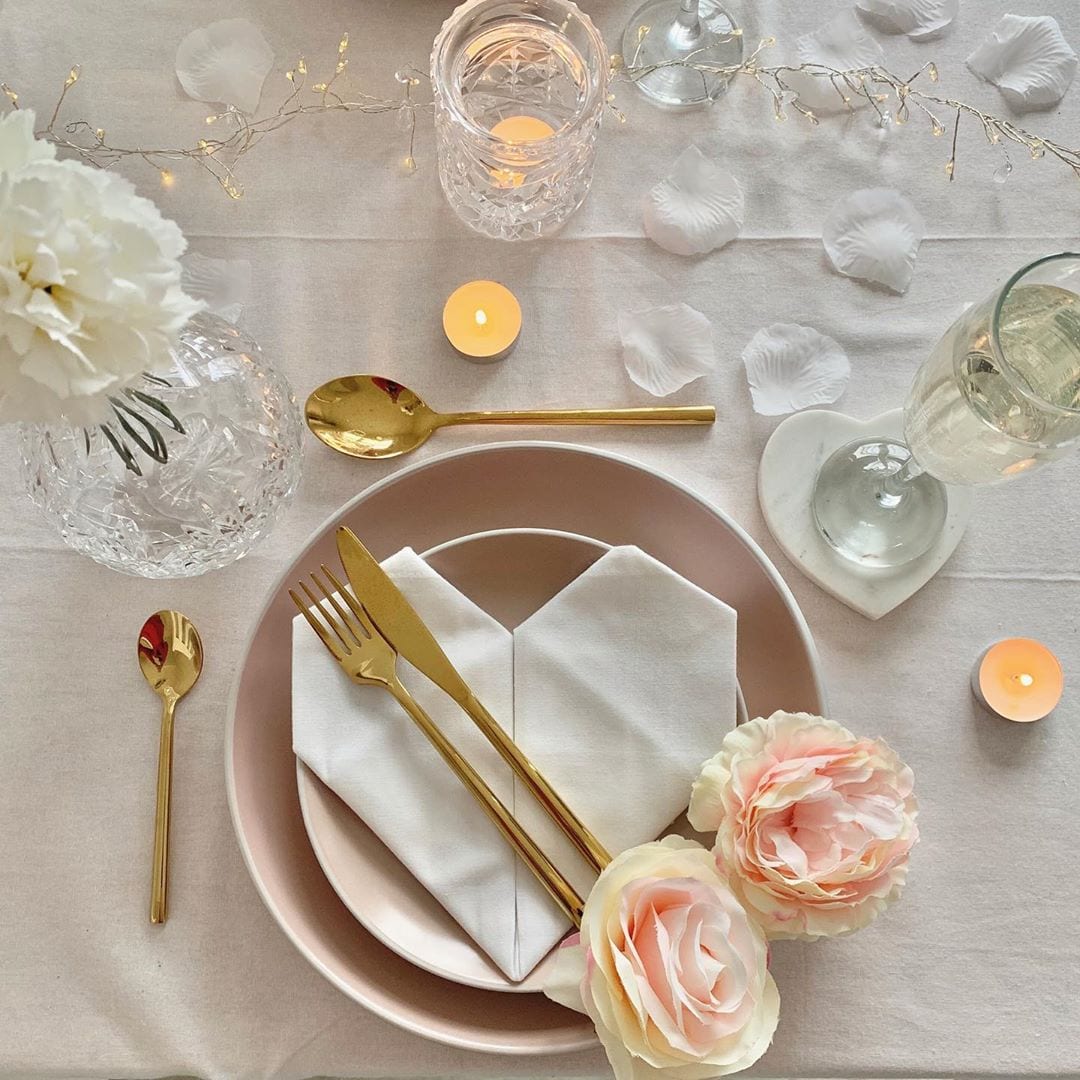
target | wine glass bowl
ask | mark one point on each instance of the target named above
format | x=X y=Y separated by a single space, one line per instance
x=998 y=396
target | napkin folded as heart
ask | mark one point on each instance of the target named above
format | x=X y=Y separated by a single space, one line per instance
x=618 y=689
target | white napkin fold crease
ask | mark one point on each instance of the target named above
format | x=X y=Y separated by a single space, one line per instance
x=618 y=689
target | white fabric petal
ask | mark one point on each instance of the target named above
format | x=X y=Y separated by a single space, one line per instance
x=226 y=62
x=221 y=284
x=664 y=348
x=844 y=44
x=696 y=209
x=1028 y=59
x=874 y=234
x=919 y=19
x=791 y=367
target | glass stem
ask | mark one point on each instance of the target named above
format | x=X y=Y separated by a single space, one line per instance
x=689 y=15
x=895 y=486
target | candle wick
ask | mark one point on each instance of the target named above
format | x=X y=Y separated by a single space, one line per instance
x=481 y=317
x=1024 y=679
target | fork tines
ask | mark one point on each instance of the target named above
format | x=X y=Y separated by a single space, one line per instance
x=351 y=628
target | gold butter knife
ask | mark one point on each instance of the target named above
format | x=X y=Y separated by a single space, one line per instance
x=399 y=623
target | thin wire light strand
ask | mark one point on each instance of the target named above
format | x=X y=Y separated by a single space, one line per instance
x=876 y=85
x=218 y=155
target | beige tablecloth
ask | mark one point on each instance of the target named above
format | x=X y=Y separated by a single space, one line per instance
x=973 y=974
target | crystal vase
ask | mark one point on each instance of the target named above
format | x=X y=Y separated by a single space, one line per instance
x=229 y=430
x=520 y=88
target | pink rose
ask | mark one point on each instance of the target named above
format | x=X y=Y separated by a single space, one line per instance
x=813 y=826
x=669 y=967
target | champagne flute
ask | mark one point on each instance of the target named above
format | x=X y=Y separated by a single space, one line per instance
x=662 y=31
x=998 y=396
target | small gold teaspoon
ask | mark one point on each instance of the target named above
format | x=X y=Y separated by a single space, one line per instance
x=171 y=659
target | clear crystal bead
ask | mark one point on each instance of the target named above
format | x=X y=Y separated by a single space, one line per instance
x=1003 y=172
x=227 y=478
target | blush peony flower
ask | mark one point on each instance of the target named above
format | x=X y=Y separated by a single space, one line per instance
x=813 y=825
x=669 y=968
x=90 y=291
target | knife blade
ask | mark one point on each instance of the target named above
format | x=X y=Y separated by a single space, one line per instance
x=396 y=618
x=401 y=625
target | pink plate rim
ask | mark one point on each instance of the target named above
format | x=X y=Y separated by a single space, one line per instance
x=587 y=1041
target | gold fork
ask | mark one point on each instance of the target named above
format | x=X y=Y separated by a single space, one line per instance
x=369 y=659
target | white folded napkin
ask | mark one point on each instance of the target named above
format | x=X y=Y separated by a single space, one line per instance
x=618 y=689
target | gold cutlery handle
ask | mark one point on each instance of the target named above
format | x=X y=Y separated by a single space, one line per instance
x=576 y=831
x=546 y=872
x=679 y=414
x=159 y=885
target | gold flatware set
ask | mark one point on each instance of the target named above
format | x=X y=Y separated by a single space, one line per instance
x=368 y=416
x=365 y=631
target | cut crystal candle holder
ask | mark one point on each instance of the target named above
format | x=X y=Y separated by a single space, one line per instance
x=520 y=88
x=233 y=462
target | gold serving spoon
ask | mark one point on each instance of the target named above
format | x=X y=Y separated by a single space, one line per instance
x=171 y=659
x=368 y=416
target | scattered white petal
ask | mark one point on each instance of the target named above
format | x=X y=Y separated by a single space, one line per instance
x=791 y=367
x=1028 y=59
x=844 y=44
x=696 y=209
x=226 y=62
x=664 y=348
x=841 y=43
x=919 y=19
x=221 y=284
x=874 y=234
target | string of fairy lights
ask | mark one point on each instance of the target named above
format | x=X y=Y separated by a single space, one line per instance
x=879 y=87
x=894 y=99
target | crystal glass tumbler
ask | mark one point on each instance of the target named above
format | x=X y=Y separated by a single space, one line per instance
x=520 y=88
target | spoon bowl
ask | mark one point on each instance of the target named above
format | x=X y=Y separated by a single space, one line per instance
x=170 y=653
x=369 y=416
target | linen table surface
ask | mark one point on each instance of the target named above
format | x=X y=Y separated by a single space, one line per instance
x=973 y=973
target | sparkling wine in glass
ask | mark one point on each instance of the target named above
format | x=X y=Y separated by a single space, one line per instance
x=998 y=396
x=673 y=33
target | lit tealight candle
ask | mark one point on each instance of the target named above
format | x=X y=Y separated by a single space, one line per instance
x=482 y=320
x=522 y=129
x=517 y=129
x=1018 y=679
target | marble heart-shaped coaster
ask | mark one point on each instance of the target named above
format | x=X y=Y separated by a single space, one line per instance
x=786 y=475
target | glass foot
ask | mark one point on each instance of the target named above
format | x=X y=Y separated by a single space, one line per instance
x=874 y=508
x=664 y=30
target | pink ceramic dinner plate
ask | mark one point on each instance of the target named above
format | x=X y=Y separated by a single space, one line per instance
x=505 y=485
x=510 y=573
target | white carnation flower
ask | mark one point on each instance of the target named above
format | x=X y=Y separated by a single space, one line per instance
x=90 y=291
